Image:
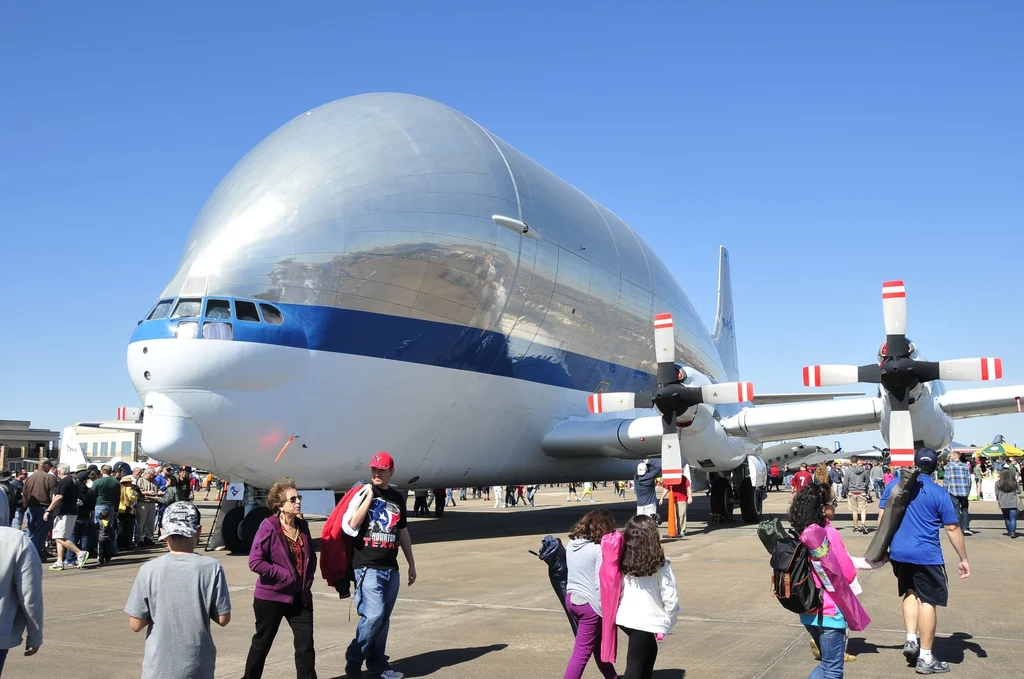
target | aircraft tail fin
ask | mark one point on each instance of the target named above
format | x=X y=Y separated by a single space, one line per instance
x=70 y=450
x=724 y=334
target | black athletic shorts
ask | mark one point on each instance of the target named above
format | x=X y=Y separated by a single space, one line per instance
x=928 y=582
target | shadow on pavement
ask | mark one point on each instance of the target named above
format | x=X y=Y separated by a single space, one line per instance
x=669 y=674
x=859 y=646
x=425 y=664
x=480 y=523
x=952 y=648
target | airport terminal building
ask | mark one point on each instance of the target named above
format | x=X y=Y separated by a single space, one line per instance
x=102 y=444
x=22 y=446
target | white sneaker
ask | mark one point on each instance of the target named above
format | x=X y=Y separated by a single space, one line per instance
x=83 y=556
x=390 y=674
x=56 y=566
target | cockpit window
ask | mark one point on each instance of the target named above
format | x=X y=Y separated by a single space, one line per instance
x=246 y=311
x=187 y=308
x=271 y=314
x=187 y=330
x=221 y=331
x=160 y=310
x=218 y=309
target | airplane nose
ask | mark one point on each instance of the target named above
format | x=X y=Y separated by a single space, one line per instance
x=172 y=364
x=168 y=433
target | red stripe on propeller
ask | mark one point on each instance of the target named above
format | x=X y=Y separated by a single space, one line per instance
x=663 y=321
x=891 y=289
x=901 y=457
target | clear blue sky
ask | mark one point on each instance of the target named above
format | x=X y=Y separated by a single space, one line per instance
x=829 y=146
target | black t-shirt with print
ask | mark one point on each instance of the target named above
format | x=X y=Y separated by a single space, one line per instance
x=67 y=488
x=376 y=546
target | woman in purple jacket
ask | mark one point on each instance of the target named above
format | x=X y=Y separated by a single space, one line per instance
x=282 y=555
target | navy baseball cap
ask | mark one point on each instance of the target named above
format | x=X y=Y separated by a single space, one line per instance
x=926 y=460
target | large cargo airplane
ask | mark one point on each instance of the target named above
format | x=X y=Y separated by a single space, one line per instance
x=383 y=273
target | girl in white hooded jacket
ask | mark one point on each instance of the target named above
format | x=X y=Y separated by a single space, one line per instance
x=650 y=601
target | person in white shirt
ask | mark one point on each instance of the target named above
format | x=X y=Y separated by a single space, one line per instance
x=650 y=601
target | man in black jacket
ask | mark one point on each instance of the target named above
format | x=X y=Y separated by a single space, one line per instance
x=13 y=493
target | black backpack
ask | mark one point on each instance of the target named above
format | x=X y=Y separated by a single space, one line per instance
x=792 y=582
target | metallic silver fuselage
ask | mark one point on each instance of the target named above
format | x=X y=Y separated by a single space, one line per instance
x=383 y=203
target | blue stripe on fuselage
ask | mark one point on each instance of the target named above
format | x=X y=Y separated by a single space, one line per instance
x=446 y=345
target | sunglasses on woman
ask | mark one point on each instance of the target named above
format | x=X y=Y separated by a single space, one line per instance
x=293 y=498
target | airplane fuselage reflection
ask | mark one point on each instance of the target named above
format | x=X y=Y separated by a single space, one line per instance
x=374 y=305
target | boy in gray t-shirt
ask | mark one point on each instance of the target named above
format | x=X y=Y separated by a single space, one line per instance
x=175 y=597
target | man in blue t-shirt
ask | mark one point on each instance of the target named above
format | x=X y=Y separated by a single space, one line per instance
x=917 y=560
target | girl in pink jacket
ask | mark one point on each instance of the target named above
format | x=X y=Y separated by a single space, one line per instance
x=834 y=572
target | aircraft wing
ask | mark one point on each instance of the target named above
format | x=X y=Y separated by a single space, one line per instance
x=805 y=420
x=800 y=397
x=799 y=420
x=977 y=402
x=119 y=426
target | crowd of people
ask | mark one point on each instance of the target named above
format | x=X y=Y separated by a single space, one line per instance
x=860 y=483
x=93 y=511
x=936 y=501
x=615 y=579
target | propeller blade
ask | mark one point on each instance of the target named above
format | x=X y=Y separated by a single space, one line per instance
x=671 y=460
x=830 y=375
x=894 y=308
x=611 y=402
x=901 y=435
x=971 y=369
x=664 y=339
x=728 y=392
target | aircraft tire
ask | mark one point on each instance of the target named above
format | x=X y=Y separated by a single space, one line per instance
x=229 y=529
x=251 y=524
x=721 y=498
x=751 y=502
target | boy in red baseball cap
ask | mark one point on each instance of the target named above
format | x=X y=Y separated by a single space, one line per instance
x=376 y=520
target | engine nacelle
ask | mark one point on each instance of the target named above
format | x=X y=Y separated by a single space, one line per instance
x=932 y=425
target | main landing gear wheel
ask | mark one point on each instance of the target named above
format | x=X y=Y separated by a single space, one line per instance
x=251 y=524
x=721 y=500
x=229 y=528
x=751 y=502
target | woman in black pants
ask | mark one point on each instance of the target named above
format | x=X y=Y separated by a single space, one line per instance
x=282 y=554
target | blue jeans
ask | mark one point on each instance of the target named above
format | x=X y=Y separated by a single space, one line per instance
x=1010 y=519
x=37 y=529
x=832 y=644
x=961 y=504
x=376 y=592
x=19 y=514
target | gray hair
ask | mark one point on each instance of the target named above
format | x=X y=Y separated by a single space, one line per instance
x=63 y=468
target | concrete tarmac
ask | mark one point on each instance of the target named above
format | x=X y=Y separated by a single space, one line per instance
x=483 y=607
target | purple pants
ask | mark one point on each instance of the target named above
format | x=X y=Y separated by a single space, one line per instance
x=588 y=642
